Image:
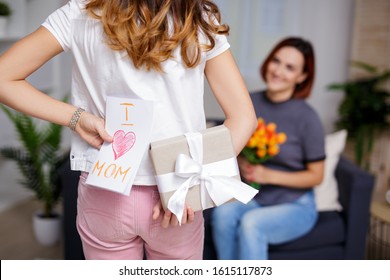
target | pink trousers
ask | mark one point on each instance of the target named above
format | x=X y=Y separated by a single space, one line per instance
x=118 y=227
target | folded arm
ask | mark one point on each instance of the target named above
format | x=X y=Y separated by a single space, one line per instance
x=311 y=176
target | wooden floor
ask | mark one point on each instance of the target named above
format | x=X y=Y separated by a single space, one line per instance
x=17 y=240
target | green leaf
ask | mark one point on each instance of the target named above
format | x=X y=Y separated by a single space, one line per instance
x=39 y=158
x=364 y=109
x=365 y=66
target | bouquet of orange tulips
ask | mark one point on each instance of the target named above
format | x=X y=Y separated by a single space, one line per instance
x=263 y=145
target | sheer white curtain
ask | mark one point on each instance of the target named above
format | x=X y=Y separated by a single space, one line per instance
x=256 y=25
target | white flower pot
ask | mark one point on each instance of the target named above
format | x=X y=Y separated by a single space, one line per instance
x=3 y=26
x=47 y=230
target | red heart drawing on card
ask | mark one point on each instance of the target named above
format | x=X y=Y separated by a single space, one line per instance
x=122 y=143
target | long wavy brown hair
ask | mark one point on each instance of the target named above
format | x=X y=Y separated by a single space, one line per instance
x=150 y=30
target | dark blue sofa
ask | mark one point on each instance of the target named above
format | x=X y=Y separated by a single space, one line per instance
x=337 y=235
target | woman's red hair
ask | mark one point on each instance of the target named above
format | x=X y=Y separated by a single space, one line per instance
x=302 y=90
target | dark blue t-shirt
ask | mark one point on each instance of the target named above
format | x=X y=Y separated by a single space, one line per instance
x=305 y=142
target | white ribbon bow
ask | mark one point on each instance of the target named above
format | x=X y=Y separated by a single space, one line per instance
x=220 y=188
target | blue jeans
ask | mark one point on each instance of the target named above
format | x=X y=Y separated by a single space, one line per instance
x=244 y=231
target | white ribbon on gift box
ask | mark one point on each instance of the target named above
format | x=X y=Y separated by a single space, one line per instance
x=215 y=179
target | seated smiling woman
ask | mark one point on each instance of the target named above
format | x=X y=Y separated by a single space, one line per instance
x=284 y=208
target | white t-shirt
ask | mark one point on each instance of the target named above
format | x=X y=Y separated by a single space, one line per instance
x=98 y=72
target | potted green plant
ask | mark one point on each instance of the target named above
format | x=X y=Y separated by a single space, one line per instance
x=365 y=109
x=38 y=158
x=5 y=9
x=5 y=13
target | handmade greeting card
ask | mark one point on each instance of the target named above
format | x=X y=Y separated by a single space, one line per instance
x=129 y=121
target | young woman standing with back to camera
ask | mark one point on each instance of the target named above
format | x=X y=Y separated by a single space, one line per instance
x=156 y=50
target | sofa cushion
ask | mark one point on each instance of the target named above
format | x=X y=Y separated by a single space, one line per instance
x=330 y=229
x=326 y=193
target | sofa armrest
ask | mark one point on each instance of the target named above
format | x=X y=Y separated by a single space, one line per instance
x=72 y=242
x=355 y=191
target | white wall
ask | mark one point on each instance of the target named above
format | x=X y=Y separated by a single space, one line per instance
x=327 y=24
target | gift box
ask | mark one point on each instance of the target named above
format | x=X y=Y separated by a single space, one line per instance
x=198 y=169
